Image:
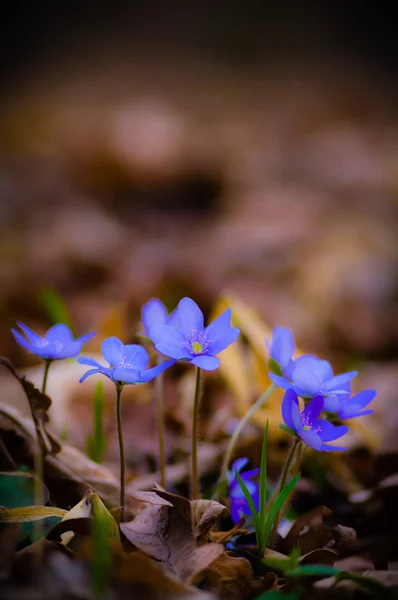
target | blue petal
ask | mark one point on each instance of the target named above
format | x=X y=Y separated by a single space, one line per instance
x=334 y=383
x=208 y=363
x=247 y=475
x=170 y=342
x=310 y=438
x=90 y=362
x=136 y=356
x=84 y=338
x=239 y=464
x=306 y=381
x=322 y=368
x=172 y=319
x=106 y=372
x=328 y=432
x=331 y=403
x=220 y=334
x=153 y=314
x=23 y=341
x=238 y=507
x=49 y=351
x=189 y=316
x=33 y=338
x=282 y=346
x=353 y=411
x=328 y=448
x=126 y=375
x=112 y=350
x=281 y=382
x=59 y=333
x=290 y=410
x=313 y=410
x=363 y=398
x=150 y=374
x=70 y=350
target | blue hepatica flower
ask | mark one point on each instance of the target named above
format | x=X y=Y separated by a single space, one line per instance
x=307 y=424
x=281 y=349
x=191 y=341
x=154 y=315
x=310 y=376
x=238 y=503
x=127 y=364
x=56 y=344
x=350 y=407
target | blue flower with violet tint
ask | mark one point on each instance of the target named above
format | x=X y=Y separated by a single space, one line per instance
x=238 y=503
x=56 y=344
x=154 y=314
x=315 y=432
x=310 y=376
x=191 y=341
x=127 y=364
x=351 y=407
x=280 y=350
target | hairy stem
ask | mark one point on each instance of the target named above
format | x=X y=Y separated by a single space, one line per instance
x=242 y=423
x=160 y=423
x=119 y=389
x=195 y=423
x=281 y=485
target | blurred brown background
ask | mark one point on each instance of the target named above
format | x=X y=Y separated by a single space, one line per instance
x=171 y=148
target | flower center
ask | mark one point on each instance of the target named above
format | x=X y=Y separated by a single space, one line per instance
x=196 y=342
x=123 y=364
x=308 y=425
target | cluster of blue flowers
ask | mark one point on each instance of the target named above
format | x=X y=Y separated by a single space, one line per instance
x=182 y=336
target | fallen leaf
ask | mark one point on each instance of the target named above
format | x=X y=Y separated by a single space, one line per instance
x=166 y=534
x=224 y=536
x=308 y=532
x=205 y=514
x=26 y=514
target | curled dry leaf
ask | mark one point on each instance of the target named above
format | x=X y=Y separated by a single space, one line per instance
x=166 y=534
x=321 y=556
x=205 y=513
x=308 y=532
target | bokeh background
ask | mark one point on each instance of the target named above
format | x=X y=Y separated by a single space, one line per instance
x=197 y=148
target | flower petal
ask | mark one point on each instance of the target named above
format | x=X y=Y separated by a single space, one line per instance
x=126 y=375
x=84 y=338
x=331 y=403
x=239 y=464
x=229 y=336
x=189 y=316
x=208 y=363
x=281 y=382
x=322 y=368
x=313 y=409
x=23 y=341
x=247 y=475
x=153 y=314
x=363 y=398
x=112 y=350
x=172 y=319
x=83 y=360
x=290 y=410
x=334 y=383
x=59 y=333
x=310 y=438
x=94 y=372
x=282 y=346
x=150 y=374
x=220 y=334
x=328 y=448
x=33 y=338
x=170 y=342
x=70 y=350
x=329 y=432
x=354 y=411
x=136 y=356
x=306 y=381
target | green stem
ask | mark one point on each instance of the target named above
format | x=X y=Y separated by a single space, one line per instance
x=119 y=389
x=281 y=485
x=47 y=365
x=242 y=423
x=195 y=423
x=160 y=423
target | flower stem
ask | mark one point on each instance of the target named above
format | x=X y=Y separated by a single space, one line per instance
x=195 y=423
x=47 y=365
x=119 y=389
x=280 y=487
x=160 y=422
x=242 y=423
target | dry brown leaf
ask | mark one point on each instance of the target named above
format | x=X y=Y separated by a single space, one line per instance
x=205 y=513
x=166 y=534
x=228 y=576
x=308 y=532
x=321 y=556
x=224 y=536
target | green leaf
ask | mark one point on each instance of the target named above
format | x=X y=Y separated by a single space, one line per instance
x=274 y=367
x=277 y=505
x=263 y=490
x=249 y=499
x=55 y=306
x=287 y=429
x=312 y=570
x=277 y=595
x=96 y=445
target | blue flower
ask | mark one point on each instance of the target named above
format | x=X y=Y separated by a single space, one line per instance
x=154 y=314
x=57 y=343
x=310 y=376
x=238 y=503
x=307 y=425
x=191 y=341
x=281 y=349
x=127 y=364
x=350 y=407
